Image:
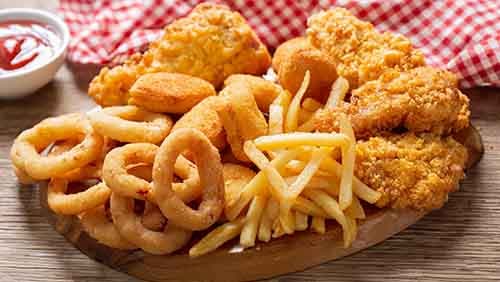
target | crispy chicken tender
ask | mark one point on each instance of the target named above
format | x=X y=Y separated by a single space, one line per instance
x=212 y=42
x=235 y=179
x=241 y=117
x=263 y=91
x=423 y=99
x=204 y=117
x=165 y=92
x=363 y=54
x=411 y=171
x=294 y=57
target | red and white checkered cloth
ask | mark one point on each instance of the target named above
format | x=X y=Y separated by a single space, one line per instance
x=462 y=36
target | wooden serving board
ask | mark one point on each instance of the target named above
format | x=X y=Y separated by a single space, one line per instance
x=284 y=255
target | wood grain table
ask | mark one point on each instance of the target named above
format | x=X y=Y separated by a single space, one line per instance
x=460 y=242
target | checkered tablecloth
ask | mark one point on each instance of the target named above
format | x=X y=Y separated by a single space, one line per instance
x=462 y=36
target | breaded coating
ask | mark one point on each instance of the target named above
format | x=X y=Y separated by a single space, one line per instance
x=362 y=53
x=212 y=42
x=294 y=57
x=411 y=171
x=241 y=118
x=204 y=117
x=165 y=92
x=235 y=179
x=424 y=99
x=263 y=91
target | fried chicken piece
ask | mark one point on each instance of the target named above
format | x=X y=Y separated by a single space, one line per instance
x=263 y=91
x=291 y=61
x=362 y=53
x=411 y=171
x=420 y=100
x=204 y=117
x=165 y=92
x=241 y=118
x=212 y=42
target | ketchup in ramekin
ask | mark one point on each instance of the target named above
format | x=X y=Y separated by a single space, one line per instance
x=25 y=44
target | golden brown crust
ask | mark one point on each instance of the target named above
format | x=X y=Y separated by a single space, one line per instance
x=363 y=53
x=204 y=117
x=291 y=61
x=411 y=171
x=212 y=42
x=241 y=118
x=169 y=92
x=263 y=91
x=424 y=99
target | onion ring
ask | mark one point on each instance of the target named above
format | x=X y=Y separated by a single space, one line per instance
x=25 y=152
x=207 y=159
x=117 y=176
x=131 y=228
x=69 y=204
x=131 y=124
x=98 y=226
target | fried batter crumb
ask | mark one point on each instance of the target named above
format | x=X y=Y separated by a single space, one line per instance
x=411 y=171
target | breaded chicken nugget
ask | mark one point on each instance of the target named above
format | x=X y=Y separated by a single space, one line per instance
x=169 y=92
x=241 y=118
x=294 y=57
x=204 y=117
x=422 y=99
x=235 y=178
x=411 y=171
x=212 y=42
x=263 y=91
x=362 y=53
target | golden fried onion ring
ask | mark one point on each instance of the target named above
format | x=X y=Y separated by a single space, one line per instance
x=131 y=124
x=25 y=152
x=207 y=159
x=131 y=228
x=99 y=227
x=140 y=156
x=62 y=203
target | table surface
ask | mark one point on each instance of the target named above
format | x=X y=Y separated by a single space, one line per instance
x=459 y=242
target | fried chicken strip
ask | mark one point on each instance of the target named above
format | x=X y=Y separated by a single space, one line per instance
x=212 y=42
x=411 y=171
x=362 y=53
x=424 y=99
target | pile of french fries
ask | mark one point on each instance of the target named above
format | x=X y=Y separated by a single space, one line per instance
x=304 y=178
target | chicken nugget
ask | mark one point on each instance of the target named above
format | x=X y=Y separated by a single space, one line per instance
x=361 y=52
x=411 y=171
x=241 y=118
x=420 y=100
x=263 y=91
x=291 y=61
x=235 y=178
x=169 y=92
x=211 y=43
x=204 y=117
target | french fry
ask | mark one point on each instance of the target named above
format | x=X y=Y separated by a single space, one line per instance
x=258 y=185
x=297 y=139
x=337 y=93
x=252 y=221
x=355 y=210
x=292 y=115
x=353 y=227
x=307 y=126
x=306 y=175
x=332 y=208
x=217 y=237
x=348 y=159
x=275 y=119
x=310 y=104
x=308 y=207
x=318 y=225
x=271 y=212
x=301 y=221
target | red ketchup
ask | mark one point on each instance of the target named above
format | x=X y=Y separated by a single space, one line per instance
x=25 y=44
